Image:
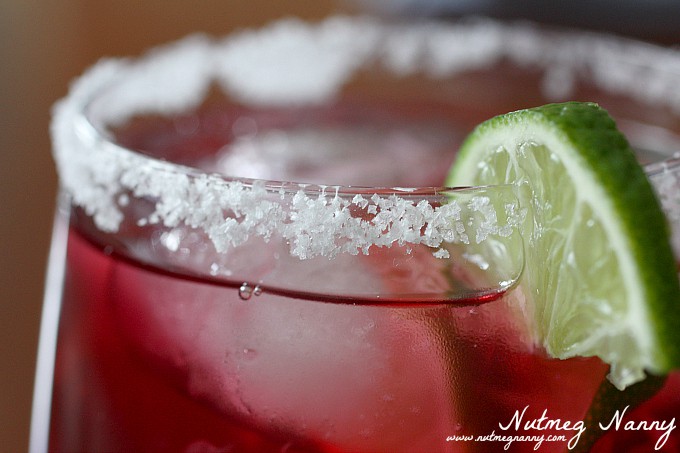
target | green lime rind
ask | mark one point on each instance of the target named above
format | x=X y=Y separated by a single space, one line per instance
x=600 y=273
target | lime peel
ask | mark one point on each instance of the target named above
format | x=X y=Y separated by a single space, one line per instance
x=600 y=270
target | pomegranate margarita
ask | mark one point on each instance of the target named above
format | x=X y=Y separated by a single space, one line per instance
x=251 y=252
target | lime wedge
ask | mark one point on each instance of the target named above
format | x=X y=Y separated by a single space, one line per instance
x=600 y=275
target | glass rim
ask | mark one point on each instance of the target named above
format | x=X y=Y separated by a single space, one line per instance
x=514 y=40
x=348 y=44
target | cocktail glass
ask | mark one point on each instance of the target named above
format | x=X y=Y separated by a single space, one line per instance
x=251 y=251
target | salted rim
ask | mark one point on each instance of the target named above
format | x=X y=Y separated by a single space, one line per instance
x=311 y=63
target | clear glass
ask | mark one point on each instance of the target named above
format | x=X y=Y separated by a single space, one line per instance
x=252 y=251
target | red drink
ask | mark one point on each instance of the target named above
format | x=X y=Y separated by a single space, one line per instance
x=169 y=343
x=152 y=362
x=149 y=360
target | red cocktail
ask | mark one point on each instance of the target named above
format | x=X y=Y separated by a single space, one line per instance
x=208 y=305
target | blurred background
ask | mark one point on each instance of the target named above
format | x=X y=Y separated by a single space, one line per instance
x=45 y=44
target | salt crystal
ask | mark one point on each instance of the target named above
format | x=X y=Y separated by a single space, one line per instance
x=442 y=254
